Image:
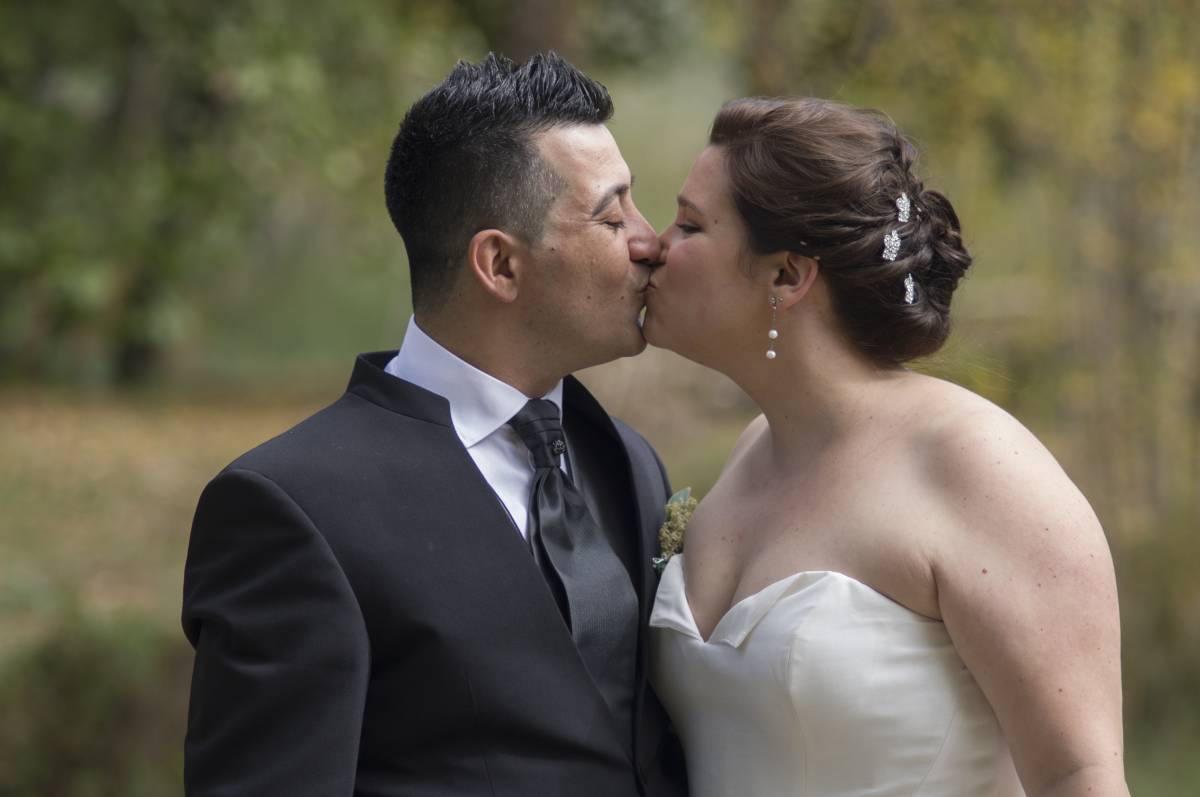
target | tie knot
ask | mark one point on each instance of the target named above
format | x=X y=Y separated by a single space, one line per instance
x=540 y=428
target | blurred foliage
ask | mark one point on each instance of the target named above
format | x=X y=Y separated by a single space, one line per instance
x=160 y=150
x=1086 y=114
x=96 y=709
x=150 y=142
x=191 y=194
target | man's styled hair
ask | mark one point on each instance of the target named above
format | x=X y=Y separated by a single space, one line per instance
x=464 y=160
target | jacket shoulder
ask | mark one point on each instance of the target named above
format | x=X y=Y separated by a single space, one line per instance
x=642 y=457
x=335 y=440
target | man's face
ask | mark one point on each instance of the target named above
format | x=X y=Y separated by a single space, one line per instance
x=591 y=266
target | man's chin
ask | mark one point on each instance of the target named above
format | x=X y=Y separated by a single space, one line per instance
x=629 y=345
x=649 y=330
x=635 y=343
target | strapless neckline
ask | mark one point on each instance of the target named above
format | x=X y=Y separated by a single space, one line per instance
x=819 y=685
x=674 y=610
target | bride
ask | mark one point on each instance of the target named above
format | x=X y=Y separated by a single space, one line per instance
x=892 y=589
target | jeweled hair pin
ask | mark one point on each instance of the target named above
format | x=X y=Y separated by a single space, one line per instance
x=891 y=246
x=891 y=241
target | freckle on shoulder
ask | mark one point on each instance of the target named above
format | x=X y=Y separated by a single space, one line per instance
x=970 y=442
x=994 y=466
x=969 y=424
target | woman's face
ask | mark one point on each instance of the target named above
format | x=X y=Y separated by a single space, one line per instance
x=707 y=301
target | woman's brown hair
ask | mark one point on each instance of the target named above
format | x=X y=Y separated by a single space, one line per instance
x=821 y=179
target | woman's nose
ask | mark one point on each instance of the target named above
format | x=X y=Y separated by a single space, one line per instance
x=664 y=240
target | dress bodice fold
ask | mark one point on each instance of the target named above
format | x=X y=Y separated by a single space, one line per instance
x=820 y=686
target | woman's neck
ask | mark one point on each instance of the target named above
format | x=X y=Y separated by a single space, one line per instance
x=816 y=394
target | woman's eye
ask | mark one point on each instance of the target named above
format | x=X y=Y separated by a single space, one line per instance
x=685 y=228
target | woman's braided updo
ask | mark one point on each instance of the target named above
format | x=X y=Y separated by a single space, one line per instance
x=821 y=179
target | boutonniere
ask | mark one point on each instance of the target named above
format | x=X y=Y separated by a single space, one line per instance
x=670 y=535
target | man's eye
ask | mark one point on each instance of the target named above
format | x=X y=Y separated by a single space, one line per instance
x=615 y=225
x=687 y=229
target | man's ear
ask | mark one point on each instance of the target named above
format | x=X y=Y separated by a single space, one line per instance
x=794 y=277
x=496 y=261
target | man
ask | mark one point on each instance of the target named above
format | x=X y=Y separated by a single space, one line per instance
x=428 y=588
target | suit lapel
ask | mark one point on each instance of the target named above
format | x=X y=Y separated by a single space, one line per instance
x=649 y=486
x=579 y=400
x=371 y=382
x=496 y=555
x=649 y=495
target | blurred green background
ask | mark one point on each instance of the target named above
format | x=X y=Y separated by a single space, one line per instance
x=193 y=246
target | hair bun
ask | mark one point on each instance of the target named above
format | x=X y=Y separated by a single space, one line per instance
x=949 y=259
x=822 y=178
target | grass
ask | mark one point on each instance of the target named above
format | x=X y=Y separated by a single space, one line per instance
x=98 y=496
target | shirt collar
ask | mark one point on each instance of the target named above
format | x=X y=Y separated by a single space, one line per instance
x=479 y=402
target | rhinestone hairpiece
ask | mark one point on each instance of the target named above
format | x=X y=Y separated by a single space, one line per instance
x=910 y=289
x=891 y=241
x=891 y=245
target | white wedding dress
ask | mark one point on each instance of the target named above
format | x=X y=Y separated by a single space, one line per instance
x=819 y=686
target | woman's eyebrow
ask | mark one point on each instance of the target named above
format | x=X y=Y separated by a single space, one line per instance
x=687 y=203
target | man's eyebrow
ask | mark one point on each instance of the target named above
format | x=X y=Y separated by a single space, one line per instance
x=611 y=194
x=687 y=203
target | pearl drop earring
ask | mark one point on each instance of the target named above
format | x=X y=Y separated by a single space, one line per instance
x=773 y=334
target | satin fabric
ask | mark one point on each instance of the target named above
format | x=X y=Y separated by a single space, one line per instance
x=590 y=585
x=820 y=686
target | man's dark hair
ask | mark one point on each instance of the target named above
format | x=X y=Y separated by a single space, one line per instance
x=464 y=160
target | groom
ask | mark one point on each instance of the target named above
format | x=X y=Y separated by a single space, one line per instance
x=439 y=585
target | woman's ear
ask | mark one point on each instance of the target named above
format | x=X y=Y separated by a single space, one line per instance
x=497 y=261
x=793 y=278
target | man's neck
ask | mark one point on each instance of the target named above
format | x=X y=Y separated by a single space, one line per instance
x=494 y=351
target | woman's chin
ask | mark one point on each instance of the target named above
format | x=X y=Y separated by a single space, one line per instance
x=662 y=336
x=661 y=333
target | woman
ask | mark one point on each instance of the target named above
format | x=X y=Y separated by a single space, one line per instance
x=892 y=589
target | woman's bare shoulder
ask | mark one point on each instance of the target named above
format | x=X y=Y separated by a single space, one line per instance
x=994 y=476
x=966 y=439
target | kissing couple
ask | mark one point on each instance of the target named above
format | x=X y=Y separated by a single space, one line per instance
x=445 y=582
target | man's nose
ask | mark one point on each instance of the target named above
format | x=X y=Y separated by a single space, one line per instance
x=644 y=246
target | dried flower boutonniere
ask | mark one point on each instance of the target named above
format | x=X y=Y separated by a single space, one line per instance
x=670 y=536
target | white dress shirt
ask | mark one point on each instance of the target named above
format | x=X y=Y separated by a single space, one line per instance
x=480 y=408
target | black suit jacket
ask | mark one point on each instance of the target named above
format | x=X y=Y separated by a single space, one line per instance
x=367 y=621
